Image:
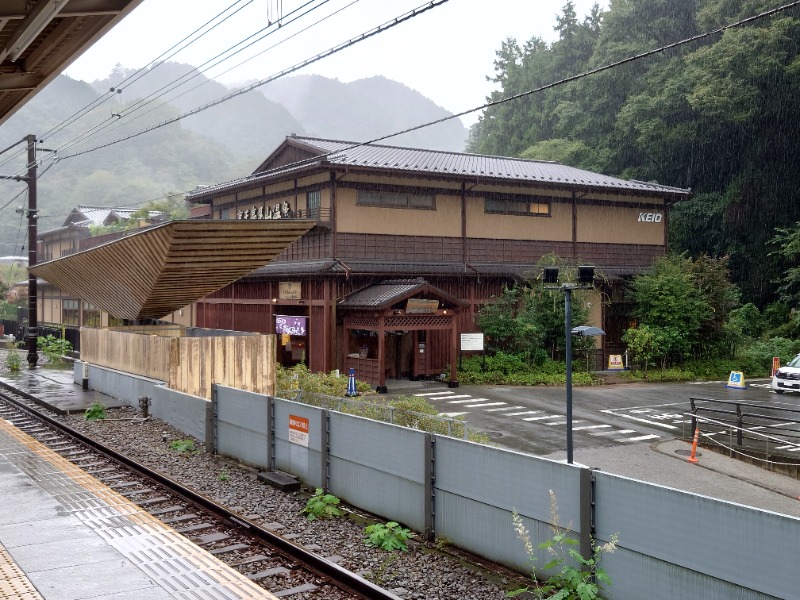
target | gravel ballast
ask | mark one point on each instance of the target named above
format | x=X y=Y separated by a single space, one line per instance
x=425 y=571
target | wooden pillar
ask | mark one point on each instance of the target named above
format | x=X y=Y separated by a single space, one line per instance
x=381 y=389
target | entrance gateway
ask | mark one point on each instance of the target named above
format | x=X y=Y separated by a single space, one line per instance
x=400 y=328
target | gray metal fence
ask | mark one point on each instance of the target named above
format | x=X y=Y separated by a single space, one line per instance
x=672 y=544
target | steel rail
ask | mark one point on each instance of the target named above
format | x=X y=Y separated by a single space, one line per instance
x=346 y=580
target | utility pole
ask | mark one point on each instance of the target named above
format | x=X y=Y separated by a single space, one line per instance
x=33 y=324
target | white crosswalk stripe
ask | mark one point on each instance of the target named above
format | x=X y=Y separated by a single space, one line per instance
x=503 y=408
x=616 y=432
x=590 y=427
x=443 y=393
x=484 y=404
x=524 y=412
x=543 y=418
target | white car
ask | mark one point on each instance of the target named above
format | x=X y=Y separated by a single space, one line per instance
x=787 y=378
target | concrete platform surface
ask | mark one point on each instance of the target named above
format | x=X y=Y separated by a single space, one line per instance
x=64 y=535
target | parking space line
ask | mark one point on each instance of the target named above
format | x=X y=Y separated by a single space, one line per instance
x=524 y=412
x=544 y=417
x=617 y=432
x=444 y=393
x=470 y=399
x=649 y=422
x=504 y=408
x=590 y=427
x=637 y=439
x=564 y=422
x=484 y=404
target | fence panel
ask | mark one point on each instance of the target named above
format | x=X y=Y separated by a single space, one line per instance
x=674 y=544
x=379 y=467
x=306 y=462
x=477 y=488
x=242 y=426
x=146 y=355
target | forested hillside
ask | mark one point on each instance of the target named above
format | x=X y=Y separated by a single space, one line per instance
x=720 y=115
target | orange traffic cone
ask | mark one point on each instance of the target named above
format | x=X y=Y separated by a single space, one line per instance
x=694 y=445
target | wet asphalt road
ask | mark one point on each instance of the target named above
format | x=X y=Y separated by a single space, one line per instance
x=532 y=419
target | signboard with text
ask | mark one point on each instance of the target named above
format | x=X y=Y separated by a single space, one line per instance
x=298 y=430
x=290 y=290
x=418 y=306
x=472 y=341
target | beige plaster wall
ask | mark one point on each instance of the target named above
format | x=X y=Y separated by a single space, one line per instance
x=556 y=227
x=619 y=225
x=444 y=221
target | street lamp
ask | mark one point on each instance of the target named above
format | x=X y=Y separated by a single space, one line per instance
x=585 y=282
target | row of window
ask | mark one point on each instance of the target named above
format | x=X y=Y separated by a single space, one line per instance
x=71 y=313
x=499 y=205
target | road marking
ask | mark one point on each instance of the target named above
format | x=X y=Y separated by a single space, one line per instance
x=434 y=394
x=466 y=401
x=619 y=432
x=504 y=408
x=590 y=427
x=524 y=412
x=459 y=396
x=456 y=414
x=545 y=417
x=637 y=439
x=485 y=404
x=552 y=423
x=632 y=418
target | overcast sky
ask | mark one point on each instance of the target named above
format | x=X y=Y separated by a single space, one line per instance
x=445 y=53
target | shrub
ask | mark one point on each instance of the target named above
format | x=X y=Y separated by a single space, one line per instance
x=53 y=348
x=389 y=536
x=322 y=506
x=13 y=359
x=95 y=412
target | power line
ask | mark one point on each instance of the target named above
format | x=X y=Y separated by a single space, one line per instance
x=176 y=83
x=145 y=70
x=740 y=23
x=338 y=48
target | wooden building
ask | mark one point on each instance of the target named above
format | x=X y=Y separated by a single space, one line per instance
x=409 y=244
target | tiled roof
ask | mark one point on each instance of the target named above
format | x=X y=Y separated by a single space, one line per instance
x=436 y=162
x=386 y=293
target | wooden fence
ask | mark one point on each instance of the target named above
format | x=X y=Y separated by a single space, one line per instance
x=188 y=365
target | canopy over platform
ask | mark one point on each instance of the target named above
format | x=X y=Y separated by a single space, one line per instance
x=156 y=271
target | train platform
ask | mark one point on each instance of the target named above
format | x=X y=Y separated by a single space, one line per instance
x=64 y=535
x=55 y=389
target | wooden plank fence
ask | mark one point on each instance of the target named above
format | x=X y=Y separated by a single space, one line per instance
x=188 y=365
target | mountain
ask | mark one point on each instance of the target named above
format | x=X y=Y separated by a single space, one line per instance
x=85 y=122
x=366 y=109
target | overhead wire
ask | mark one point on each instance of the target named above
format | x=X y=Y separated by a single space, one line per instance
x=615 y=64
x=145 y=70
x=187 y=77
x=114 y=127
x=329 y=52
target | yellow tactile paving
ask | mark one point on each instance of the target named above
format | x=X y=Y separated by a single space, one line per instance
x=143 y=530
x=14 y=585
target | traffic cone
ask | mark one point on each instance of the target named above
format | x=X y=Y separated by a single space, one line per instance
x=694 y=446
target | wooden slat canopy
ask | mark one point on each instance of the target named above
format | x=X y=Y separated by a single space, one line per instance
x=156 y=271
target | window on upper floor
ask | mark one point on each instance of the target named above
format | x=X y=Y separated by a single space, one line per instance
x=91 y=315
x=71 y=312
x=537 y=206
x=396 y=200
x=313 y=203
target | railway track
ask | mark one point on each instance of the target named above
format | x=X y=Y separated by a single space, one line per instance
x=272 y=562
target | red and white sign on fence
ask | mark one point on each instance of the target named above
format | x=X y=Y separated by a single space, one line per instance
x=298 y=430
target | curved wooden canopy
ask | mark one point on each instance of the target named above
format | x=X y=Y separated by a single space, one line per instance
x=158 y=270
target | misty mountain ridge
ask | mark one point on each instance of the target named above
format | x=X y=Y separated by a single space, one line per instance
x=219 y=144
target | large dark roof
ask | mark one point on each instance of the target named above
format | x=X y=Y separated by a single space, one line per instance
x=336 y=153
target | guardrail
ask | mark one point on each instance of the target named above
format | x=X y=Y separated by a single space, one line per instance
x=750 y=425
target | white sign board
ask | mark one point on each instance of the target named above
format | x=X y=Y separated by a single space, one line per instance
x=472 y=341
x=298 y=430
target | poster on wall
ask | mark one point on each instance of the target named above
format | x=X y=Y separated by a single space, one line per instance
x=298 y=430
x=289 y=325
